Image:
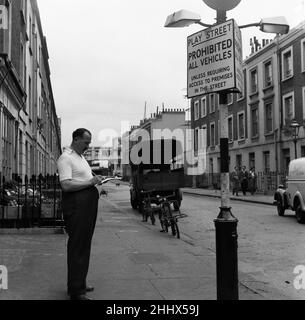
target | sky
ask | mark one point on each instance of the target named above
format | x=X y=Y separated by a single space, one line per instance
x=109 y=59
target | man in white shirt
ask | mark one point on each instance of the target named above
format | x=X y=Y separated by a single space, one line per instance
x=80 y=204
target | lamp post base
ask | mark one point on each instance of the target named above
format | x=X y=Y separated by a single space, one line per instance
x=226 y=255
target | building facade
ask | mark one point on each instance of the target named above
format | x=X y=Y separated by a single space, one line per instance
x=260 y=118
x=30 y=129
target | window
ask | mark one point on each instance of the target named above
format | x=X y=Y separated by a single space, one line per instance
x=196 y=110
x=7 y=127
x=254 y=122
x=30 y=97
x=251 y=160
x=218 y=131
x=212 y=134
x=240 y=95
x=30 y=35
x=212 y=102
x=268 y=118
x=288 y=103
x=268 y=74
x=303 y=101
x=230 y=128
x=266 y=158
x=253 y=81
x=230 y=98
x=241 y=125
x=196 y=137
x=287 y=63
x=203 y=138
x=24 y=10
x=303 y=55
x=22 y=62
x=203 y=107
x=20 y=158
x=239 y=161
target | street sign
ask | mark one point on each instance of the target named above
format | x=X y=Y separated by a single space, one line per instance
x=214 y=60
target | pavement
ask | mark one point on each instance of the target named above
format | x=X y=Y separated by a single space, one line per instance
x=255 y=198
x=130 y=260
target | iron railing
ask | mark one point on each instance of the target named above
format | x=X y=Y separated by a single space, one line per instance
x=34 y=202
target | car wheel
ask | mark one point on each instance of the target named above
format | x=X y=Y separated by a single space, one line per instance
x=280 y=208
x=300 y=214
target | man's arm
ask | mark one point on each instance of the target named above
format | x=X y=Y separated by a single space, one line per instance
x=73 y=185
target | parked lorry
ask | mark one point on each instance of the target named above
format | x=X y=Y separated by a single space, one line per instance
x=159 y=177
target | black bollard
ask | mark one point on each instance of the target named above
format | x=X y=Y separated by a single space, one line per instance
x=226 y=255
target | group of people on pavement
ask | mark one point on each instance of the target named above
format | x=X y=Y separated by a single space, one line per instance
x=243 y=180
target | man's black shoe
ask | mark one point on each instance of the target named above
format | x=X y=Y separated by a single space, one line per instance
x=80 y=297
x=89 y=289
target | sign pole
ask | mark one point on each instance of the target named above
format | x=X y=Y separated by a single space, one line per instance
x=226 y=223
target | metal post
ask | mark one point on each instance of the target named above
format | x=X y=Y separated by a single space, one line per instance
x=295 y=147
x=226 y=223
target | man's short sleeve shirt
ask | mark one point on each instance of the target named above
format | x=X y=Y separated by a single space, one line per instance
x=72 y=166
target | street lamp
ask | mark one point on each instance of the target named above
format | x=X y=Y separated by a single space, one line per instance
x=295 y=126
x=226 y=223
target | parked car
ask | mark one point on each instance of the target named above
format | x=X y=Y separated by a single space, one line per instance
x=293 y=196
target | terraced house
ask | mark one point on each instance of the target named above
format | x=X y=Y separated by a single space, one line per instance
x=266 y=121
x=30 y=129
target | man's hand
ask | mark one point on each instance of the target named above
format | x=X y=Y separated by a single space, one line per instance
x=96 y=180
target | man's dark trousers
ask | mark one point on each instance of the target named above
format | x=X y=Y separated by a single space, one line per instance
x=80 y=212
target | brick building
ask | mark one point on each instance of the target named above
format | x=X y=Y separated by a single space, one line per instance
x=259 y=119
x=30 y=130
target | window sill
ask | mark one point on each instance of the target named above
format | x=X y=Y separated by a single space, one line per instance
x=287 y=78
x=241 y=141
x=254 y=139
x=269 y=134
x=253 y=94
x=268 y=88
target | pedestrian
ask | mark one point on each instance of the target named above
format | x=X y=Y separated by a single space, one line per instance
x=244 y=180
x=252 y=181
x=79 y=203
x=235 y=181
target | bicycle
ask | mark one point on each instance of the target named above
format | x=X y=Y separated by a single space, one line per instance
x=146 y=207
x=166 y=216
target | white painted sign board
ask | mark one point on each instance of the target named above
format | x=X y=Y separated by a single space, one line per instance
x=214 y=60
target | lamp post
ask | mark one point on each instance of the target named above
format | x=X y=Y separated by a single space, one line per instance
x=295 y=126
x=226 y=223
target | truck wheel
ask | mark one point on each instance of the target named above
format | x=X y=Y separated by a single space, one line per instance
x=280 y=208
x=300 y=214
